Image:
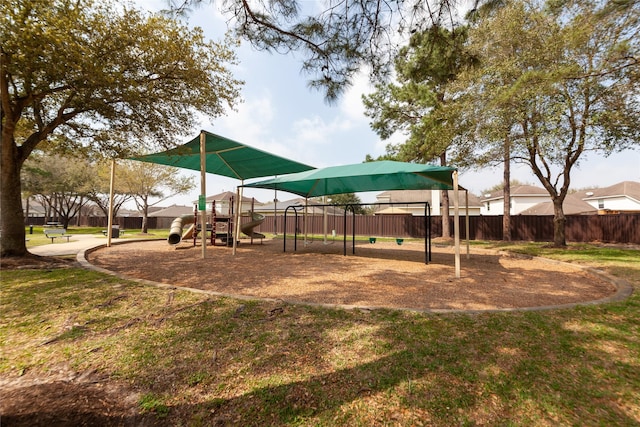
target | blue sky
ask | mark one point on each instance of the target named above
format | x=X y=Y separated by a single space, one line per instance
x=281 y=115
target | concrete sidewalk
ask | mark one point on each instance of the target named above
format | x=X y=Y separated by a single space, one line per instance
x=78 y=243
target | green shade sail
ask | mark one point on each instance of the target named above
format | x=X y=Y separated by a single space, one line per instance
x=372 y=176
x=225 y=157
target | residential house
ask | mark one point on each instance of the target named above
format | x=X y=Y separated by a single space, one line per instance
x=523 y=197
x=223 y=200
x=278 y=208
x=34 y=212
x=618 y=198
x=412 y=202
x=37 y=214
x=173 y=211
x=530 y=200
x=573 y=205
x=164 y=216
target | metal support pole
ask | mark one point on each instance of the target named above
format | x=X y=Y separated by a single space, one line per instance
x=236 y=225
x=275 y=211
x=325 y=218
x=427 y=233
x=112 y=180
x=203 y=193
x=456 y=222
x=306 y=231
x=466 y=202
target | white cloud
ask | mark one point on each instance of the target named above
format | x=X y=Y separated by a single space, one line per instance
x=351 y=103
x=316 y=130
x=251 y=121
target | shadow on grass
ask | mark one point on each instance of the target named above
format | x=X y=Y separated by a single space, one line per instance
x=527 y=368
x=229 y=362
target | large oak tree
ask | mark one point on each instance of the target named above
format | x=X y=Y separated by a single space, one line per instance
x=110 y=78
x=560 y=79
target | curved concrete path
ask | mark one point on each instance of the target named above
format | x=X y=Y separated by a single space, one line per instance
x=78 y=243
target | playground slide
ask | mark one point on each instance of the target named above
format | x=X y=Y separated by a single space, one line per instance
x=189 y=233
x=175 y=232
x=256 y=220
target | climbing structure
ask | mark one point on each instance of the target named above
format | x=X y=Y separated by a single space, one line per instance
x=219 y=227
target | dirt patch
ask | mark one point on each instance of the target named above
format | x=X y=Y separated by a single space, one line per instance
x=383 y=274
x=66 y=398
x=36 y=262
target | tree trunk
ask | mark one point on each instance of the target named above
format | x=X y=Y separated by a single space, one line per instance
x=444 y=200
x=65 y=222
x=506 y=216
x=444 y=210
x=12 y=223
x=559 y=221
x=47 y=210
x=27 y=209
x=144 y=208
x=145 y=221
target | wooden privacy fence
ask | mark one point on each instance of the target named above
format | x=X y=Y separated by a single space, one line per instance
x=124 y=222
x=383 y=225
x=621 y=228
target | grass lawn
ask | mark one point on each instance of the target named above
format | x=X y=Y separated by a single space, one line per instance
x=36 y=237
x=201 y=360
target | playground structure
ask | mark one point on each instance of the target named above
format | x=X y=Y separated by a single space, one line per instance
x=247 y=228
x=351 y=208
x=210 y=153
x=219 y=225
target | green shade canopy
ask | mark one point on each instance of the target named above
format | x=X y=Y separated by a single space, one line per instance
x=225 y=157
x=372 y=176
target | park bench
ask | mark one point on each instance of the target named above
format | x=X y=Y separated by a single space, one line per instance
x=53 y=233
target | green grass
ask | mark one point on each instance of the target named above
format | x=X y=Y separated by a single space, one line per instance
x=621 y=262
x=199 y=360
x=36 y=237
x=151 y=403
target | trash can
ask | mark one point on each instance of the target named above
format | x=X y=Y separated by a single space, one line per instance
x=115 y=231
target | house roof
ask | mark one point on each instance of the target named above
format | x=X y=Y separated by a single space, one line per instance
x=313 y=208
x=411 y=196
x=172 y=211
x=629 y=189
x=35 y=207
x=152 y=209
x=394 y=210
x=517 y=190
x=573 y=205
x=128 y=212
x=226 y=196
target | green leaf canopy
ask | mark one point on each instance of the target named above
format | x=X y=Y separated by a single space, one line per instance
x=371 y=176
x=225 y=157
